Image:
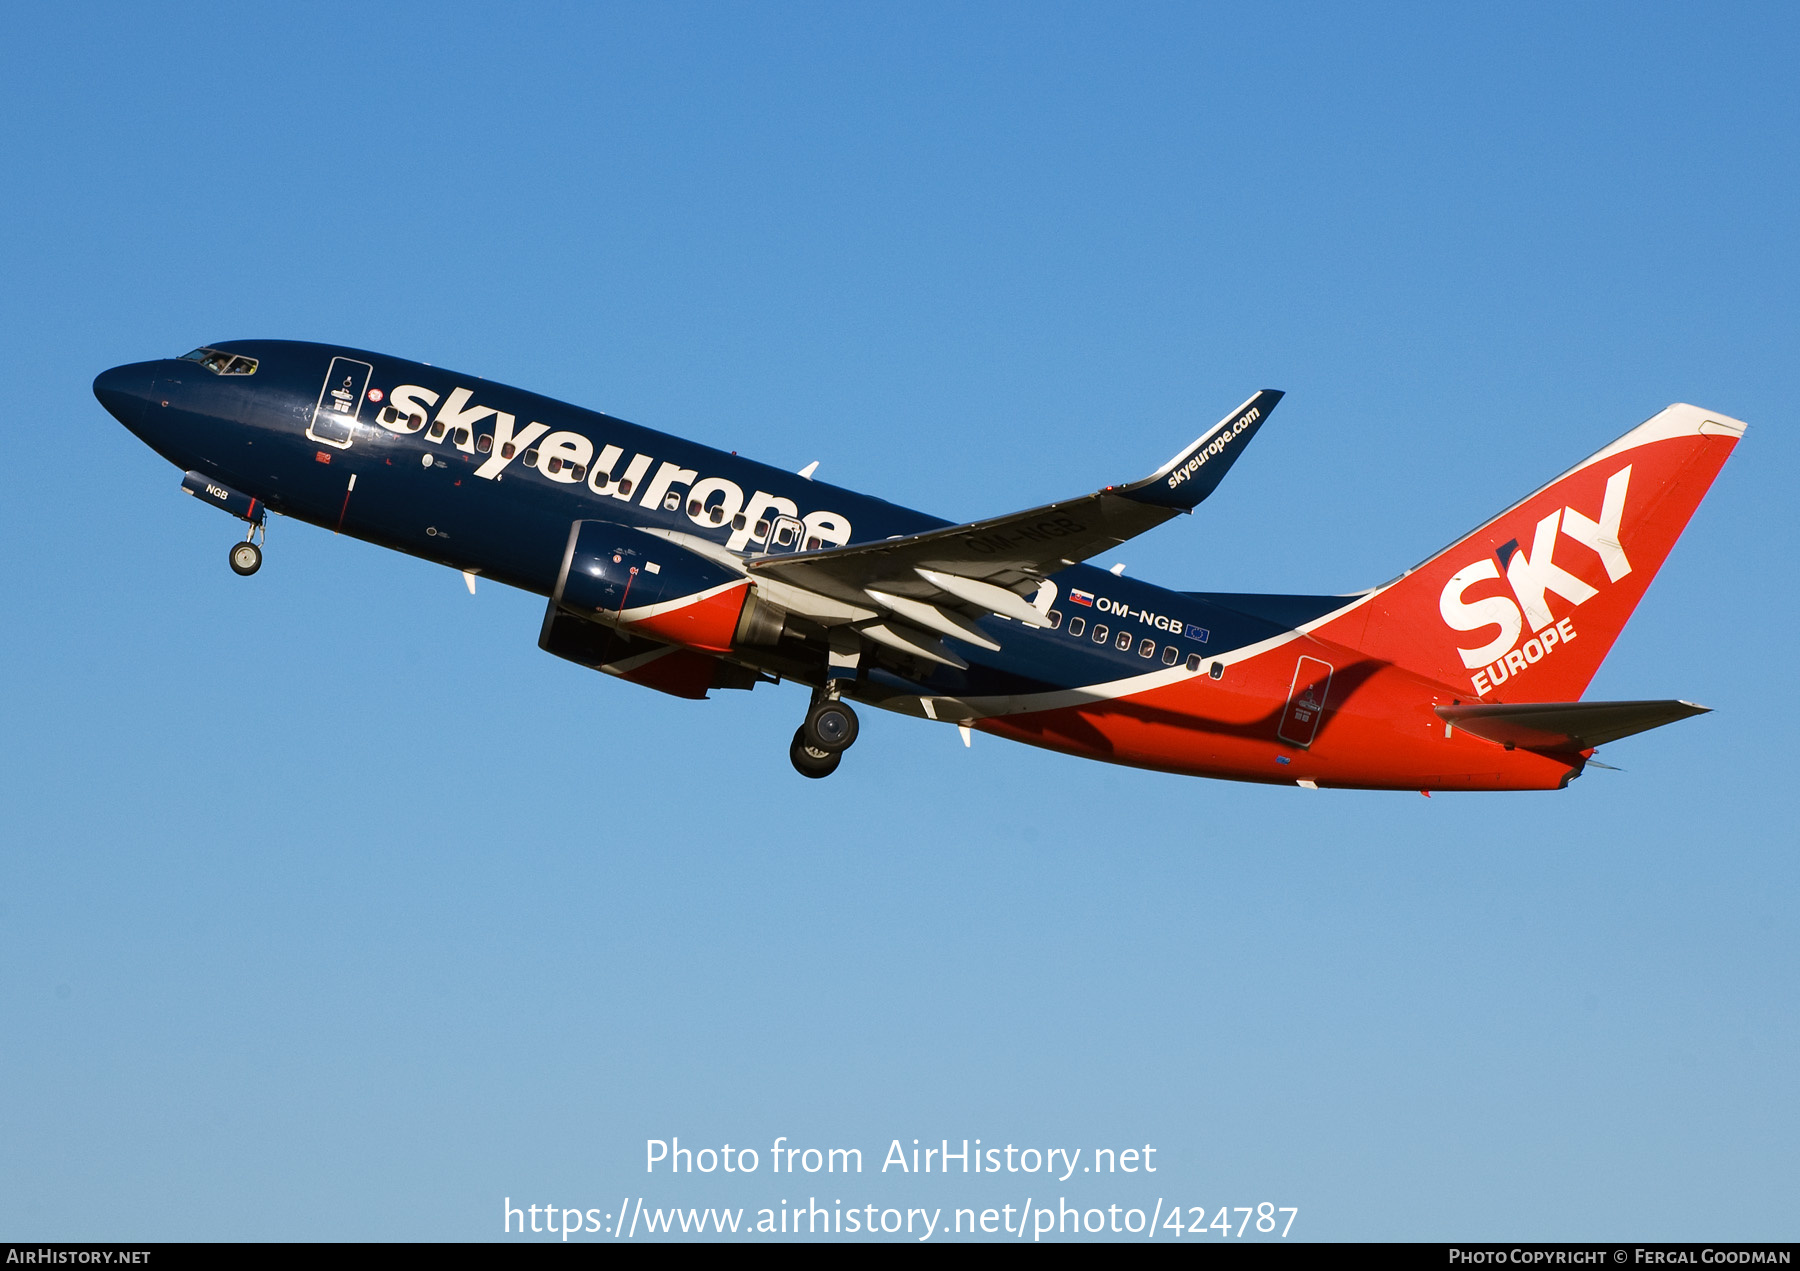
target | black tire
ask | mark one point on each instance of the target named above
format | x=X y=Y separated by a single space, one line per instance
x=830 y=725
x=809 y=761
x=245 y=558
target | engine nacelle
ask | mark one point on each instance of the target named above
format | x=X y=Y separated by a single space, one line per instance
x=649 y=586
x=663 y=667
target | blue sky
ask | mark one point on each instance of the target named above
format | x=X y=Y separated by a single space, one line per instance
x=332 y=908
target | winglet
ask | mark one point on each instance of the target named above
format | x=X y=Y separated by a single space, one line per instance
x=1196 y=472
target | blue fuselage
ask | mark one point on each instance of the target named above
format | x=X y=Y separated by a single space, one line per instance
x=359 y=463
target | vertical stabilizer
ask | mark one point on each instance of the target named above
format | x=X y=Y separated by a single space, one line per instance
x=1525 y=608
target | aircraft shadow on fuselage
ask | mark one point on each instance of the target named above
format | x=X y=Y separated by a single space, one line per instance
x=1075 y=726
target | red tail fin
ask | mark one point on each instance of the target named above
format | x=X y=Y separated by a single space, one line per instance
x=1526 y=607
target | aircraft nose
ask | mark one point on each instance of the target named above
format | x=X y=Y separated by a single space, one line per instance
x=123 y=391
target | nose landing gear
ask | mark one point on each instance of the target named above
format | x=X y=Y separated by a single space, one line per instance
x=246 y=557
x=827 y=732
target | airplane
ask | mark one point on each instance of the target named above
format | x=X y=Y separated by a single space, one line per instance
x=686 y=569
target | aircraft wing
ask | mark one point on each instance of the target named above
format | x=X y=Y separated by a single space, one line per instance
x=936 y=579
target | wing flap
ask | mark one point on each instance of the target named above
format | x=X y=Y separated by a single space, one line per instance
x=897 y=635
x=1564 y=725
x=932 y=618
x=1008 y=604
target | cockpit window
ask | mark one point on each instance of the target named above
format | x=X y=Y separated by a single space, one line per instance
x=220 y=363
x=211 y=359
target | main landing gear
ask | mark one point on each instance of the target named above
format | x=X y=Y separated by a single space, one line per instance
x=827 y=732
x=246 y=557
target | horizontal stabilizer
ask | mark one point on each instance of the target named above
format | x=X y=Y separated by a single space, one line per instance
x=1564 y=725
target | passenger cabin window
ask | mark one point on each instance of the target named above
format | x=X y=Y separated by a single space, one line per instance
x=1170 y=655
x=1123 y=642
x=221 y=363
x=1099 y=634
x=1193 y=662
x=1077 y=625
x=1217 y=671
x=1055 y=617
x=1147 y=649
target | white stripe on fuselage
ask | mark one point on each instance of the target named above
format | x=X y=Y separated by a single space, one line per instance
x=1110 y=690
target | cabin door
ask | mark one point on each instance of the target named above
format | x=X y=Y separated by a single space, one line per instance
x=1306 y=702
x=340 y=402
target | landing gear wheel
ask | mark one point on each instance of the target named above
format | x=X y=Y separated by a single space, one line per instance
x=808 y=760
x=830 y=726
x=246 y=558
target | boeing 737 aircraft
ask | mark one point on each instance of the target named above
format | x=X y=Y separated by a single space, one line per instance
x=684 y=569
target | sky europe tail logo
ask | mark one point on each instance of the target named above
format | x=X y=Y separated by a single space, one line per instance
x=1533 y=575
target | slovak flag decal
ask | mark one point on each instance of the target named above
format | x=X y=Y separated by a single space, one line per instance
x=1080 y=597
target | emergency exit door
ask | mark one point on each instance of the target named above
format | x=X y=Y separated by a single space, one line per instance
x=785 y=535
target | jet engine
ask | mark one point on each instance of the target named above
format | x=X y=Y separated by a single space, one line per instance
x=648 y=586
